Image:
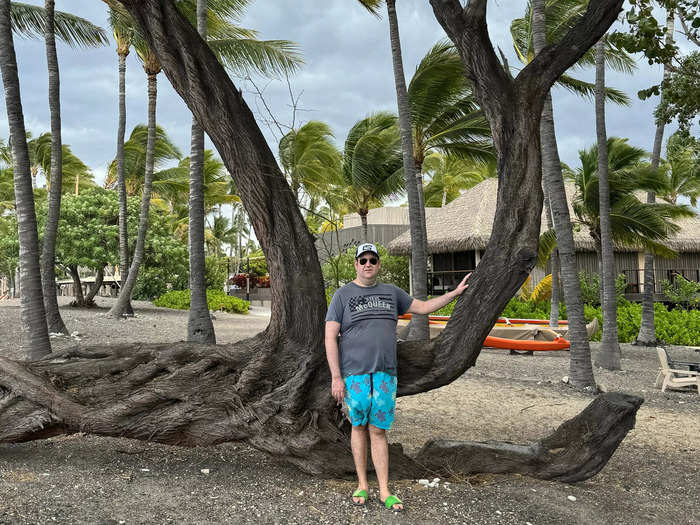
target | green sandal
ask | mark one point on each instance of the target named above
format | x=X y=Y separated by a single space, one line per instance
x=391 y=501
x=360 y=493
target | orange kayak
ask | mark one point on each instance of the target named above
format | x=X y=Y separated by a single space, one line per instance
x=443 y=318
x=518 y=344
x=558 y=343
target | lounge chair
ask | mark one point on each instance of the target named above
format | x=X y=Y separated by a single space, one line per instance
x=674 y=378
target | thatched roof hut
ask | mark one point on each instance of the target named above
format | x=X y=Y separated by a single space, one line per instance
x=466 y=224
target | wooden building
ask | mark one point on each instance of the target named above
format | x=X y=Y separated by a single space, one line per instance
x=459 y=233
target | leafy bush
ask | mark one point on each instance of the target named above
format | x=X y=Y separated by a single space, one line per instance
x=682 y=291
x=215 y=272
x=263 y=282
x=256 y=264
x=590 y=287
x=217 y=300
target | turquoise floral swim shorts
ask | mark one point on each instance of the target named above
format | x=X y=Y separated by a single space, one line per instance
x=371 y=398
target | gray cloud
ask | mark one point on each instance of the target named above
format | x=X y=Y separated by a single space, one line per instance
x=347 y=75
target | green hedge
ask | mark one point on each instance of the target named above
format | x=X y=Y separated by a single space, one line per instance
x=675 y=327
x=217 y=300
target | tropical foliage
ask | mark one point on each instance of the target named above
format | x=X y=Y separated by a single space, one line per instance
x=634 y=223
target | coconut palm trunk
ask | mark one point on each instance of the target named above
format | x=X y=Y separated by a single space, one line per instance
x=123 y=45
x=647 y=328
x=580 y=366
x=48 y=257
x=123 y=301
x=609 y=356
x=199 y=326
x=34 y=327
x=419 y=261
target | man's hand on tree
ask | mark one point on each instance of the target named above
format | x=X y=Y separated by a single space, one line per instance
x=338 y=389
x=462 y=286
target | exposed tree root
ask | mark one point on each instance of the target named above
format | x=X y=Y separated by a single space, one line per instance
x=200 y=395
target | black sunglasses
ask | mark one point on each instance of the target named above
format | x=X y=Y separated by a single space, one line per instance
x=371 y=260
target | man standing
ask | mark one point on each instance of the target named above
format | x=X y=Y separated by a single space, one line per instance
x=364 y=314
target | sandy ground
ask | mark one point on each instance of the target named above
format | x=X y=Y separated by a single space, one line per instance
x=654 y=477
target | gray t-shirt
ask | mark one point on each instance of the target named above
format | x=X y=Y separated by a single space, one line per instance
x=367 y=317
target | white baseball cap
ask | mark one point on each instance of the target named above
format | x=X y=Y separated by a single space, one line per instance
x=366 y=247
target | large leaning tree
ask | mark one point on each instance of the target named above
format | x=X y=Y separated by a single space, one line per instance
x=273 y=390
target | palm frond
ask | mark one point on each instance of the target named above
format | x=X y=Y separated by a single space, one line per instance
x=267 y=57
x=587 y=89
x=30 y=21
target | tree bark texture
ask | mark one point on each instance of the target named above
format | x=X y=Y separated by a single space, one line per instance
x=95 y=288
x=123 y=52
x=647 y=327
x=78 y=296
x=48 y=254
x=609 y=356
x=200 y=329
x=34 y=327
x=119 y=308
x=418 y=328
x=273 y=390
x=580 y=365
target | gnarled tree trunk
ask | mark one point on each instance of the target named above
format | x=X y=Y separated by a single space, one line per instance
x=273 y=391
x=95 y=288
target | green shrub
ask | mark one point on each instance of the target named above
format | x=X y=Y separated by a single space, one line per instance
x=256 y=262
x=217 y=300
x=677 y=326
x=215 y=272
x=674 y=327
x=590 y=287
x=682 y=291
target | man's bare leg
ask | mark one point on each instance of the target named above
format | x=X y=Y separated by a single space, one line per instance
x=358 y=443
x=380 y=458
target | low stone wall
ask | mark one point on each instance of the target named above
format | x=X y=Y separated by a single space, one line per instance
x=257 y=295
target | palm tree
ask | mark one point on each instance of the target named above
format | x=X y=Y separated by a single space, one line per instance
x=372 y=166
x=123 y=32
x=36 y=333
x=683 y=175
x=633 y=223
x=310 y=160
x=610 y=351
x=31 y=21
x=199 y=325
x=48 y=257
x=444 y=114
x=416 y=213
x=219 y=233
x=75 y=174
x=152 y=67
x=134 y=160
x=451 y=175
x=647 y=328
x=548 y=22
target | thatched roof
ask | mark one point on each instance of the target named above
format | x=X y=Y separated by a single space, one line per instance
x=466 y=222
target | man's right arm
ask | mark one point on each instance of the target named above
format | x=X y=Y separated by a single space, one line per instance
x=332 y=355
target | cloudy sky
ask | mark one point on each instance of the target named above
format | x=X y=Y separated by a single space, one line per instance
x=347 y=75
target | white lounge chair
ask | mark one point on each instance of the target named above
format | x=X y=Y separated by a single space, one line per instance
x=674 y=378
